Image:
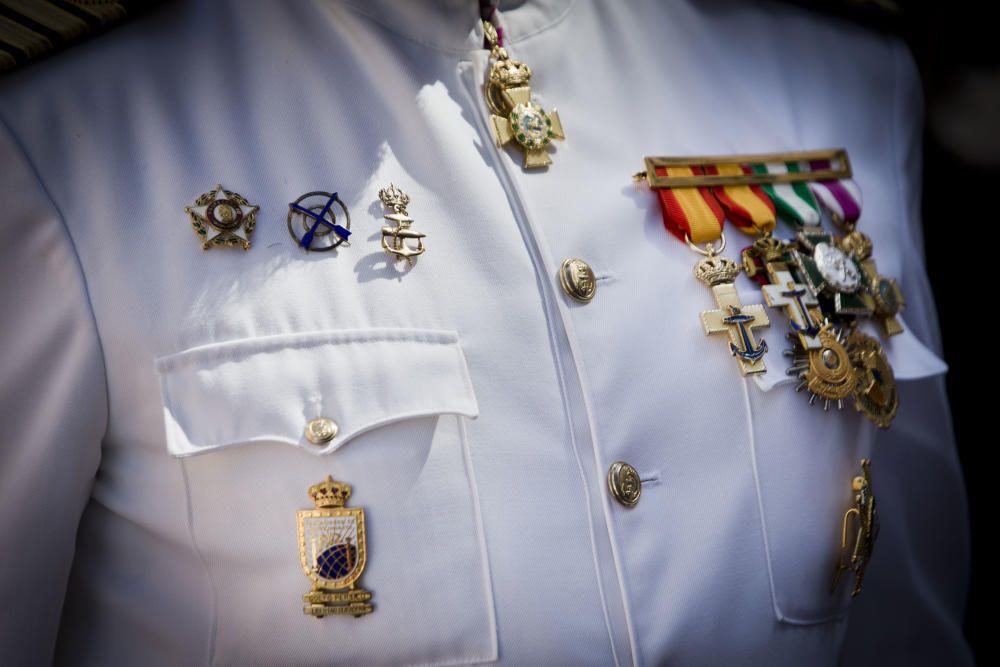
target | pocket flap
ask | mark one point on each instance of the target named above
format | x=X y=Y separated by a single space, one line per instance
x=269 y=388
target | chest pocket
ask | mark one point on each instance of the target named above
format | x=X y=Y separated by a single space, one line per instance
x=804 y=462
x=237 y=411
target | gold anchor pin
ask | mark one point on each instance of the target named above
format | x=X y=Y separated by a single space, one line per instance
x=394 y=237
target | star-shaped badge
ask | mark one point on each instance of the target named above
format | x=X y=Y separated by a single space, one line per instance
x=223 y=218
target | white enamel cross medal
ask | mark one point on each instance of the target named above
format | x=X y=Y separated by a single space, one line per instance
x=515 y=118
x=801 y=306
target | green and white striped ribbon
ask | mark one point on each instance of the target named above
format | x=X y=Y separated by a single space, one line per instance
x=794 y=201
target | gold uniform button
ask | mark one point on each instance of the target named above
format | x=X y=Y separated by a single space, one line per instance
x=577 y=279
x=321 y=430
x=624 y=483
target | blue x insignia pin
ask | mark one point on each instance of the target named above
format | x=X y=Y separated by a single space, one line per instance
x=312 y=222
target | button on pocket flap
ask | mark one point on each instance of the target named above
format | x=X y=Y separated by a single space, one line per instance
x=270 y=388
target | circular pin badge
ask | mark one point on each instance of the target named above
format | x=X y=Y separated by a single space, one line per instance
x=313 y=222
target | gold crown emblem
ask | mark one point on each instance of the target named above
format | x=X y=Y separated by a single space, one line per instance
x=510 y=73
x=329 y=493
x=394 y=198
x=857 y=244
x=769 y=248
x=716 y=270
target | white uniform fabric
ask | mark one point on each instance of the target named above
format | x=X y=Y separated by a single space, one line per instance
x=154 y=395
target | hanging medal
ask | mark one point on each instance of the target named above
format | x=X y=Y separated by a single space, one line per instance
x=841 y=273
x=795 y=202
x=828 y=373
x=692 y=215
x=516 y=118
x=842 y=198
x=818 y=280
x=832 y=363
x=753 y=211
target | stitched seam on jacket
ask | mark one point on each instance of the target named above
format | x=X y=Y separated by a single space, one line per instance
x=76 y=255
x=245 y=347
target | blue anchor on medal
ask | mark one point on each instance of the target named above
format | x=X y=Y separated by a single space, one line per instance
x=808 y=327
x=747 y=350
x=312 y=222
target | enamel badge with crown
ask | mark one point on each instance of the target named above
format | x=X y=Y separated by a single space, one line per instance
x=333 y=552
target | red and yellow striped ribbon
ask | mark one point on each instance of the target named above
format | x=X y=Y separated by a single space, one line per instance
x=690 y=213
x=747 y=206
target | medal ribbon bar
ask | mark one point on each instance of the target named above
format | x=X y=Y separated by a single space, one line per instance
x=838 y=167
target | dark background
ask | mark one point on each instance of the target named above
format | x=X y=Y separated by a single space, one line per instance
x=957 y=49
x=955 y=45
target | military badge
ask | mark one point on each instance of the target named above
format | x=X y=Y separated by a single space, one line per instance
x=394 y=238
x=875 y=395
x=824 y=370
x=831 y=272
x=859 y=531
x=732 y=317
x=223 y=218
x=312 y=222
x=884 y=291
x=801 y=307
x=516 y=118
x=824 y=283
x=333 y=552
x=694 y=216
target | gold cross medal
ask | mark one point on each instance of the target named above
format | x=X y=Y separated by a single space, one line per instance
x=693 y=215
x=732 y=317
x=859 y=530
x=515 y=118
x=842 y=199
x=820 y=359
x=841 y=274
x=333 y=552
x=822 y=283
x=222 y=218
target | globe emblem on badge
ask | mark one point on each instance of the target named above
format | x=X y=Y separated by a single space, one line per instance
x=336 y=562
x=333 y=552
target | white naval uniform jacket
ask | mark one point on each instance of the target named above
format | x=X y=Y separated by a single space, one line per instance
x=154 y=395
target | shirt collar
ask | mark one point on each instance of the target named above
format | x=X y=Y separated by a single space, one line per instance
x=454 y=25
